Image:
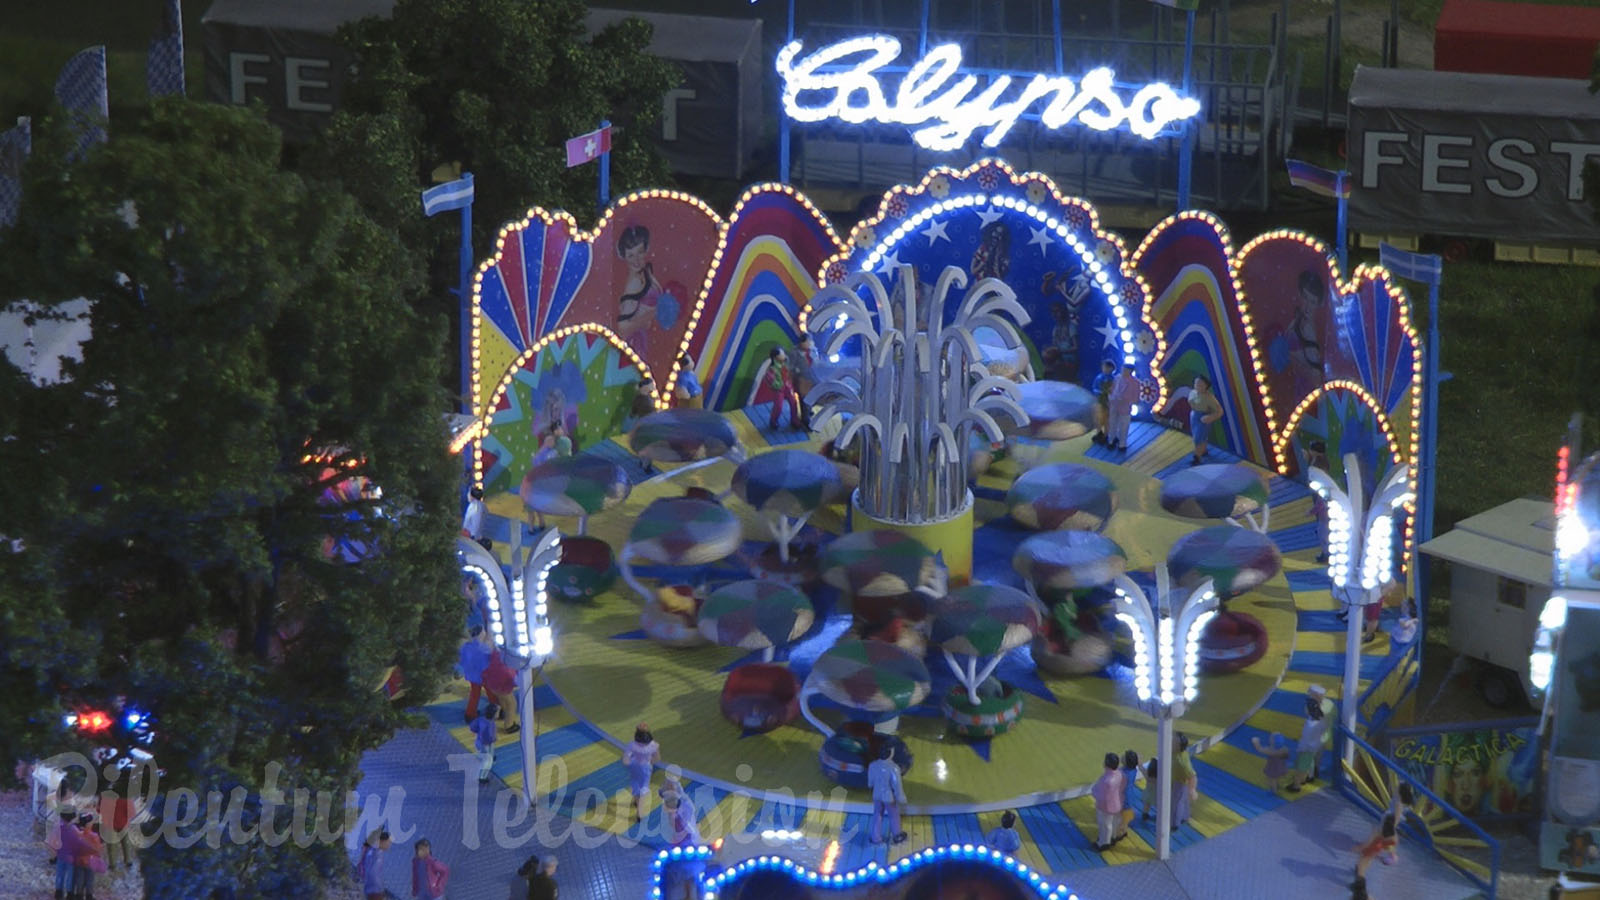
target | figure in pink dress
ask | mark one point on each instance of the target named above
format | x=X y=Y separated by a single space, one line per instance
x=1124 y=394
x=636 y=307
x=782 y=381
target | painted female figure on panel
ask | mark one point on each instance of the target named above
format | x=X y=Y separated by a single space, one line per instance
x=641 y=293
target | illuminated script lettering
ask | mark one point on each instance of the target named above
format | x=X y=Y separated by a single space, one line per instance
x=945 y=109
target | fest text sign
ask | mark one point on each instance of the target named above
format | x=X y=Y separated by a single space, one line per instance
x=945 y=108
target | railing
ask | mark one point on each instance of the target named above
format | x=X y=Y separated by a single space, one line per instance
x=1389 y=688
x=1372 y=780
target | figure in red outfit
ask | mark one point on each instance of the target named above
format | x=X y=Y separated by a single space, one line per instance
x=781 y=380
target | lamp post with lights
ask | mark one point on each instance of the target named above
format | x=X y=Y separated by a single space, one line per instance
x=1166 y=666
x=518 y=617
x=1360 y=558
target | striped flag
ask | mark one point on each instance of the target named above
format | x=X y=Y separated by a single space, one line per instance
x=163 y=68
x=1318 y=180
x=1423 y=267
x=451 y=195
x=15 y=145
x=81 y=88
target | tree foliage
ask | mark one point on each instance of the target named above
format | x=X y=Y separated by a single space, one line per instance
x=253 y=346
x=496 y=86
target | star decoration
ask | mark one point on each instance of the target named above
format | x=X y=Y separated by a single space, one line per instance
x=1042 y=238
x=935 y=232
x=1109 y=332
x=988 y=215
x=890 y=263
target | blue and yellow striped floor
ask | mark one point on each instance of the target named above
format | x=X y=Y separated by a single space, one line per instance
x=1058 y=834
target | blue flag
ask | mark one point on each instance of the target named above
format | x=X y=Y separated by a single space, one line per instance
x=15 y=146
x=163 y=70
x=81 y=88
x=451 y=195
x=1423 y=267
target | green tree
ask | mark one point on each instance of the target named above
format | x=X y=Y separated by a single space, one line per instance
x=496 y=86
x=253 y=346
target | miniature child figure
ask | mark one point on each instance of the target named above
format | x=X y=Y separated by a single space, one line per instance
x=1130 y=775
x=1152 y=776
x=472 y=522
x=641 y=757
x=1185 y=783
x=1119 y=408
x=1313 y=734
x=472 y=662
x=681 y=820
x=428 y=875
x=484 y=734
x=1203 y=411
x=1384 y=840
x=1277 y=755
x=781 y=380
x=888 y=795
x=1107 y=792
x=1005 y=838
x=1101 y=386
x=644 y=399
x=803 y=364
x=688 y=391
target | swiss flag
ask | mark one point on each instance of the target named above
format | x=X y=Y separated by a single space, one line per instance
x=588 y=147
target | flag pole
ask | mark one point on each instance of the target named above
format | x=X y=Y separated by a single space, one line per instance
x=1343 y=236
x=605 y=172
x=464 y=294
x=1186 y=146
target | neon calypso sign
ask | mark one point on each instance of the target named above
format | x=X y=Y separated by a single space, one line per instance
x=840 y=81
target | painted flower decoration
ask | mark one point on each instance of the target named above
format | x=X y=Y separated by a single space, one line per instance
x=1037 y=192
x=897 y=206
x=1145 y=342
x=939 y=186
x=989 y=178
x=1077 y=217
x=1132 y=295
x=866 y=237
x=1105 y=251
x=836 y=272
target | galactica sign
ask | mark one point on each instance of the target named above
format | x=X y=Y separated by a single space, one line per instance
x=945 y=109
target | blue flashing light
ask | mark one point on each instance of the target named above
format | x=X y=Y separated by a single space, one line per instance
x=712 y=886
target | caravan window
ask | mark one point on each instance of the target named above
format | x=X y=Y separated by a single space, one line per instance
x=1513 y=593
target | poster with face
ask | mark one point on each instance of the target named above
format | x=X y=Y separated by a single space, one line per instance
x=1289 y=286
x=647 y=269
x=1491 y=771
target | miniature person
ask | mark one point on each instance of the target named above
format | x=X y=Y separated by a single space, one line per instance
x=1101 y=386
x=1405 y=628
x=804 y=366
x=1317 y=458
x=1276 y=752
x=781 y=380
x=484 y=734
x=888 y=795
x=1384 y=839
x=688 y=391
x=369 y=868
x=429 y=875
x=644 y=399
x=1152 y=775
x=472 y=522
x=1107 y=792
x=498 y=677
x=641 y=757
x=1119 y=408
x=541 y=877
x=91 y=860
x=116 y=810
x=1185 y=783
x=69 y=846
x=473 y=660
x=1005 y=838
x=1204 y=410
x=1130 y=775
x=683 y=831
x=1313 y=734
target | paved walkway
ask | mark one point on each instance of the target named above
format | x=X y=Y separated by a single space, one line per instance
x=1301 y=849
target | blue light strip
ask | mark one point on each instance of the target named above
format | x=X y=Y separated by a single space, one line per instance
x=870 y=874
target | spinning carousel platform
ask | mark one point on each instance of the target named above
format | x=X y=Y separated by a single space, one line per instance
x=607 y=677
